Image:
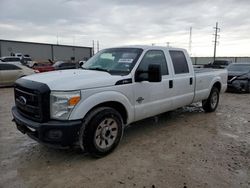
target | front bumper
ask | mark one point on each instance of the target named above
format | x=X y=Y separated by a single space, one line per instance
x=238 y=86
x=56 y=133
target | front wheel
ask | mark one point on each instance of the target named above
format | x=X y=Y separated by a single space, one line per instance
x=211 y=103
x=101 y=131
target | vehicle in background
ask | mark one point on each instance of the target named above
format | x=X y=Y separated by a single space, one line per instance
x=118 y=86
x=61 y=65
x=84 y=60
x=43 y=66
x=18 y=55
x=26 y=60
x=198 y=66
x=26 y=55
x=218 y=64
x=239 y=77
x=11 y=59
x=10 y=72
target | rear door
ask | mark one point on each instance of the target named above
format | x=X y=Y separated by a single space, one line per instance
x=183 y=78
x=152 y=98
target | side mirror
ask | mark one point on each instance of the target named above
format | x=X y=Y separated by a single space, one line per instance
x=154 y=73
x=81 y=63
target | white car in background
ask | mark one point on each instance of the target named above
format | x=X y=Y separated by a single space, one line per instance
x=11 y=59
x=11 y=71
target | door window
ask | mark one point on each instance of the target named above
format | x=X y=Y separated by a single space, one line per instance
x=153 y=57
x=9 y=67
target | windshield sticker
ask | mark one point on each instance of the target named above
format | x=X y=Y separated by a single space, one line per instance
x=125 y=60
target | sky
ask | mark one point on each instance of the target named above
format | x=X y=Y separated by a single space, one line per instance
x=129 y=22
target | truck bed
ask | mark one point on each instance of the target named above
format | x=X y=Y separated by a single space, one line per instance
x=203 y=70
x=203 y=79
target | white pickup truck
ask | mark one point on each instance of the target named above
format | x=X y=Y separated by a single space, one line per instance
x=118 y=86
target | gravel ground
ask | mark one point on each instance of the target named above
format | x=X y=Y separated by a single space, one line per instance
x=183 y=148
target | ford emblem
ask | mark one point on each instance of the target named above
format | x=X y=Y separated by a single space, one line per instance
x=22 y=100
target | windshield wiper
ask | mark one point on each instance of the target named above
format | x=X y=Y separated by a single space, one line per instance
x=98 y=69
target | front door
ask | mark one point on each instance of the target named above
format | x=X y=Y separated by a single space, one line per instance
x=152 y=98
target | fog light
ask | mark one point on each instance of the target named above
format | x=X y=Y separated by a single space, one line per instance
x=54 y=134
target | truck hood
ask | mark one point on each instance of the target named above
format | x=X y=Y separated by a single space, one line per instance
x=237 y=73
x=75 y=79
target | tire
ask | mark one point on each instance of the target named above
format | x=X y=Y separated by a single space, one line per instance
x=101 y=131
x=211 y=103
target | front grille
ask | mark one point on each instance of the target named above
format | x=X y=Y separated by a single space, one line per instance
x=31 y=106
x=32 y=100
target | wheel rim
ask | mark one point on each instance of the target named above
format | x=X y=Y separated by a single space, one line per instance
x=106 y=133
x=214 y=100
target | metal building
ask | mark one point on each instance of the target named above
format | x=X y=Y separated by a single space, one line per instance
x=42 y=51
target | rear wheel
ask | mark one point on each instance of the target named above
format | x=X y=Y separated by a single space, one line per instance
x=211 y=103
x=101 y=132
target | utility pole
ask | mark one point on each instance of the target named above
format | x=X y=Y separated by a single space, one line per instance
x=93 y=47
x=97 y=46
x=190 y=40
x=216 y=30
x=57 y=39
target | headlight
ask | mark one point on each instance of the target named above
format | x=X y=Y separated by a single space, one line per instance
x=62 y=104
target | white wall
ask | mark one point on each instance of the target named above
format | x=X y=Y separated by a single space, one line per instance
x=40 y=51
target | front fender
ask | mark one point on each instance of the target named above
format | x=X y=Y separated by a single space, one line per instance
x=85 y=105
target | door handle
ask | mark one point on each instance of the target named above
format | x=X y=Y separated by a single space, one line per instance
x=191 y=81
x=171 y=84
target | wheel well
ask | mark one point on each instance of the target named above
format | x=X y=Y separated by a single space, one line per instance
x=117 y=106
x=217 y=85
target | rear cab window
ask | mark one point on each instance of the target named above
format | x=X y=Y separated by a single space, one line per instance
x=179 y=61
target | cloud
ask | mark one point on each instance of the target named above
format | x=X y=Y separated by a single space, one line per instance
x=118 y=22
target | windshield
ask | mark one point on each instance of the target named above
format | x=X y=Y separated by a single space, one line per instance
x=27 y=59
x=11 y=59
x=239 y=67
x=56 y=64
x=118 y=61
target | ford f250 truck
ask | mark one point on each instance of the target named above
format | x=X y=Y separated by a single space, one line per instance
x=92 y=105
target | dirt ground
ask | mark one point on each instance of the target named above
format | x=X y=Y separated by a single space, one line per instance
x=184 y=148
